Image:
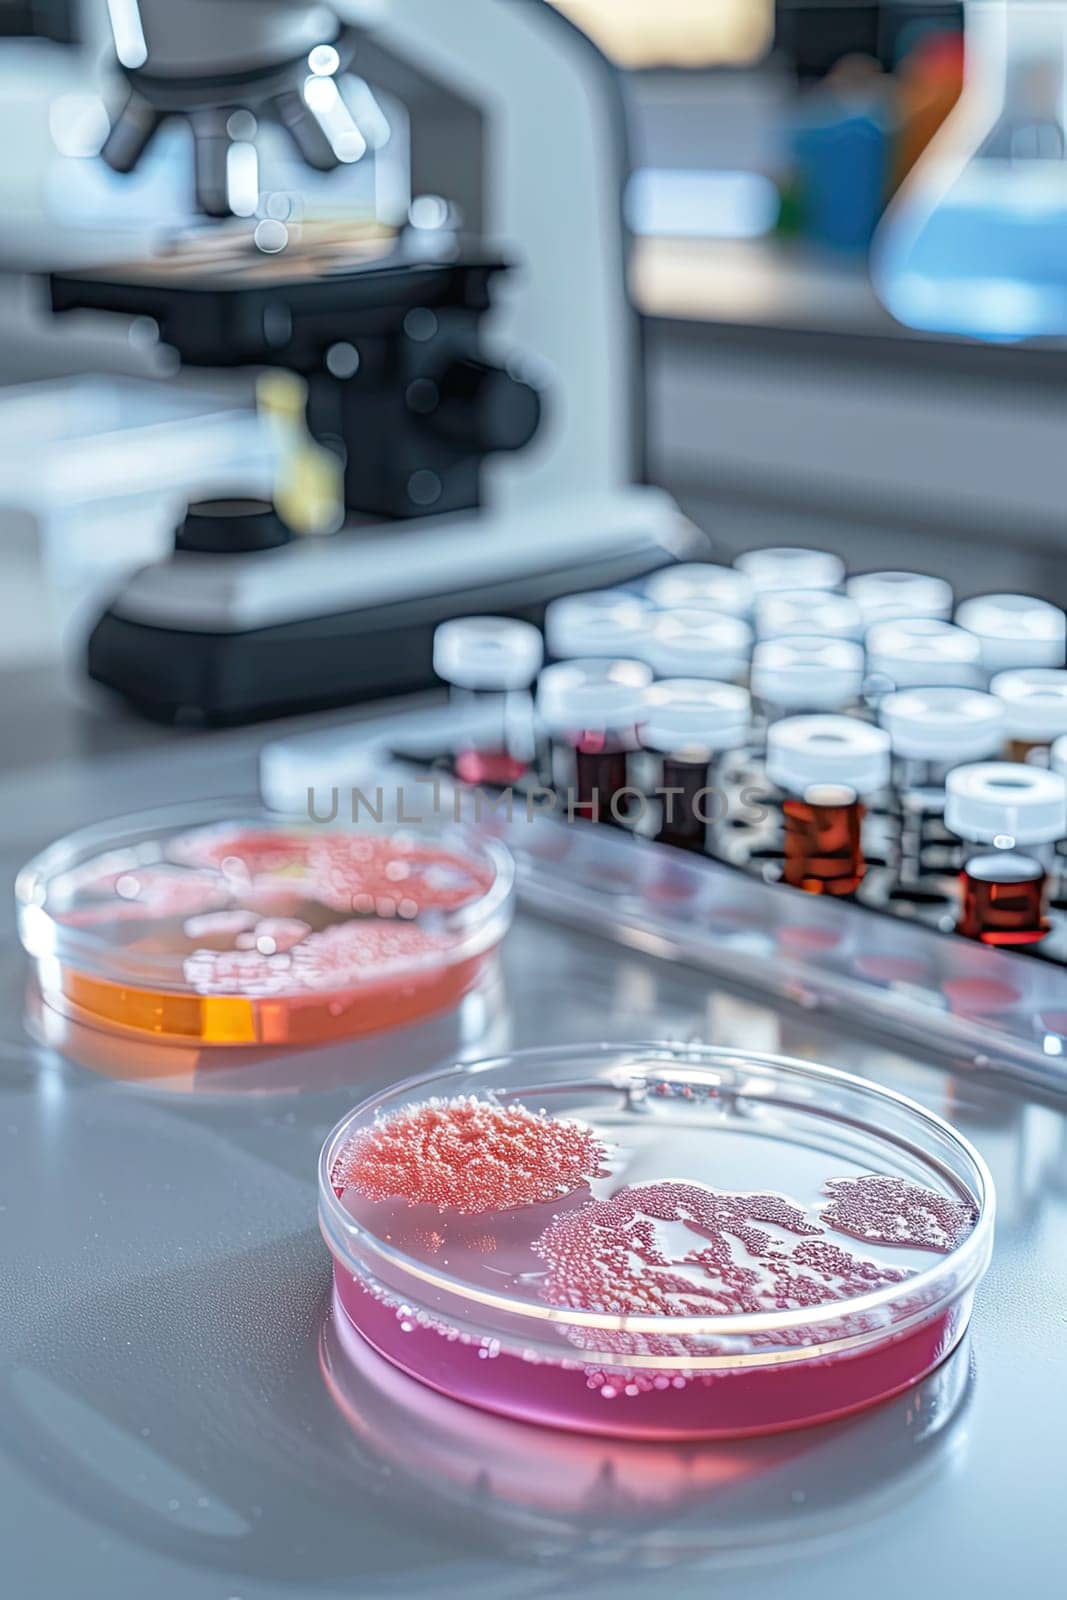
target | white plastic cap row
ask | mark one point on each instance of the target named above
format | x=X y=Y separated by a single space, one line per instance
x=1015 y=630
x=1006 y=803
x=1033 y=702
x=944 y=725
x=619 y=696
x=785 y=567
x=957 y=725
x=701 y=585
x=923 y=652
x=498 y=653
x=693 y=640
x=594 y=693
x=698 y=644
x=808 y=673
x=791 y=613
x=803 y=752
x=732 y=590
x=690 y=623
x=681 y=712
x=992 y=634
x=887 y=596
x=789 y=586
x=604 y=622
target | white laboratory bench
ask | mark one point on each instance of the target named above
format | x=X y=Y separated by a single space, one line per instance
x=166 y=1428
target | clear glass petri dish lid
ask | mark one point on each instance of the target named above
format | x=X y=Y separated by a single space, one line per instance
x=226 y=924
x=655 y=1240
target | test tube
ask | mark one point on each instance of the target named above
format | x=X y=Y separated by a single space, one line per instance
x=690 y=723
x=1015 y=630
x=1034 y=702
x=825 y=765
x=609 y=623
x=887 y=596
x=806 y=674
x=489 y=664
x=698 y=644
x=931 y=731
x=701 y=585
x=783 y=614
x=922 y=653
x=995 y=807
x=789 y=568
x=592 y=710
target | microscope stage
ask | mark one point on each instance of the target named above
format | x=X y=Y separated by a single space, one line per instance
x=235 y=308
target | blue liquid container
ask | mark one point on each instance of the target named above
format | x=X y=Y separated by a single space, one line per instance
x=841 y=153
x=975 y=243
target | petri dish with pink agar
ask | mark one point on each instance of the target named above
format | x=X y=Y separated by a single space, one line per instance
x=639 y=1498
x=655 y=1241
x=236 y=926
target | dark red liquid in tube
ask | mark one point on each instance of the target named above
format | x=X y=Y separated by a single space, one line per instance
x=824 y=847
x=1003 y=900
x=601 y=768
x=685 y=814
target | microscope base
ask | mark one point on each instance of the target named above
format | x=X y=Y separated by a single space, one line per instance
x=195 y=638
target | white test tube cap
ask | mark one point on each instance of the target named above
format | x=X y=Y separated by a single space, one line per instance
x=491 y=653
x=604 y=622
x=1015 y=630
x=693 y=584
x=885 y=596
x=698 y=644
x=923 y=653
x=786 y=567
x=1034 y=701
x=594 y=694
x=688 y=712
x=807 y=674
x=1006 y=803
x=943 y=725
x=807 y=752
x=784 y=614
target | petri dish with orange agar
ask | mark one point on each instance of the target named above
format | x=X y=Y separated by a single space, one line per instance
x=655 y=1241
x=231 y=926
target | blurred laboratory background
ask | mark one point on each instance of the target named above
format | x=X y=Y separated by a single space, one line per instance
x=841 y=226
x=354 y=356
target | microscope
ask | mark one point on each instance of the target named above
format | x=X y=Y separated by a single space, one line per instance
x=474 y=363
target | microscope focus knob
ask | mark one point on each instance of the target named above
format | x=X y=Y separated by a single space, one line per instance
x=477 y=407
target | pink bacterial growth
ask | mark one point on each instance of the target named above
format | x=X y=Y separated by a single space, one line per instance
x=146 y=894
x=470 y=1156
x=242 y=851
x=386 y=876
x=883 y=1210
x=606 y=1254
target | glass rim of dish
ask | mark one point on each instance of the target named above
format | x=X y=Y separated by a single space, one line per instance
x=469 y=929
x=957 y=1271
